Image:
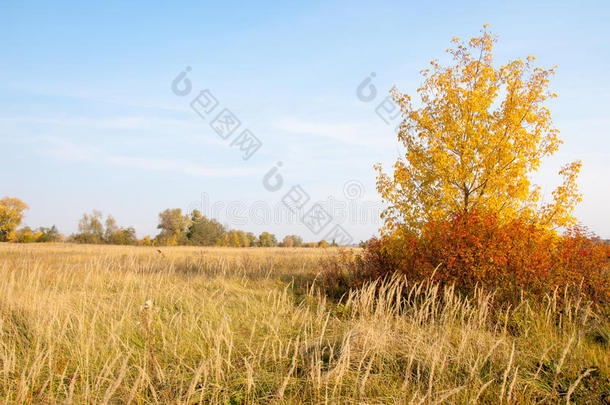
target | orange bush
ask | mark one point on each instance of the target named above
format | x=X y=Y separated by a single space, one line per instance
x=479 y=249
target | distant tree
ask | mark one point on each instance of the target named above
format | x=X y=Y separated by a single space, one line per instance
x=297 y=241
x=291 y=241
x=323 y=244
x=234 y=239
x=173 y=227
x=11 y=215
x=267 y=239
x=122 y=236
x=238 y=238
x=243 y=239
x=90 y=229
x=287 y=241
x=49 y=234
x=203 y=231
x=145 y=241
x=126 y=236
x=24 y=235
x=252 y=239
x=112 y=229
x=42 y=234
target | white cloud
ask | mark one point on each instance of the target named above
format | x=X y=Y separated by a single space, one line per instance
x=130 y=123
x=352 y=133
x=71 y=152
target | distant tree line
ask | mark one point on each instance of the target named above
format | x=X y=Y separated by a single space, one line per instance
x=91 y=230
x=175 y=229
x=199 y=230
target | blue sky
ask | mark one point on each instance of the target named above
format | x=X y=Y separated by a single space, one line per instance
x=88 y=119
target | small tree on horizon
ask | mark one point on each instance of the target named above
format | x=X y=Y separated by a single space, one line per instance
x=204 y=231
x=173 y=226
x=90 y=228
x=267 y=239
x=11 y=215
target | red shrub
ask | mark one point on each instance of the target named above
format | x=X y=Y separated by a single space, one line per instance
x=479 y=249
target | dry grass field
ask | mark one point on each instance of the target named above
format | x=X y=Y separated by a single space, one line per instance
x=107 y=324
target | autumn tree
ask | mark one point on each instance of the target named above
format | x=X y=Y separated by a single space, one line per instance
x=39 y=235
x=11 y=215
x=49 y=234
x=233 y=239
x=291 y=241
x=252 y=239
x=123 y=236
x=173 y=226
x=25 y=235
x=267 y=239
x=287 y=241
x=476 y=135
x=204 y=231
x=145 y=241
x=90 y=228
x=243 y=239
x=112 y=229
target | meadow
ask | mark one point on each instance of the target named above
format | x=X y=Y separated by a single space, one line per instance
x=184 y=325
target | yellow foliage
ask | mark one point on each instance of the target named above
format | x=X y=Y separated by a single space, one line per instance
x=474 y=141
x=11 y=214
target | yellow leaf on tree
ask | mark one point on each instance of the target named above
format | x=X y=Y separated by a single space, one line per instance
x=473 y=141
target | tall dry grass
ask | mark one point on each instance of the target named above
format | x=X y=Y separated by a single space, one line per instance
x=98 y=324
